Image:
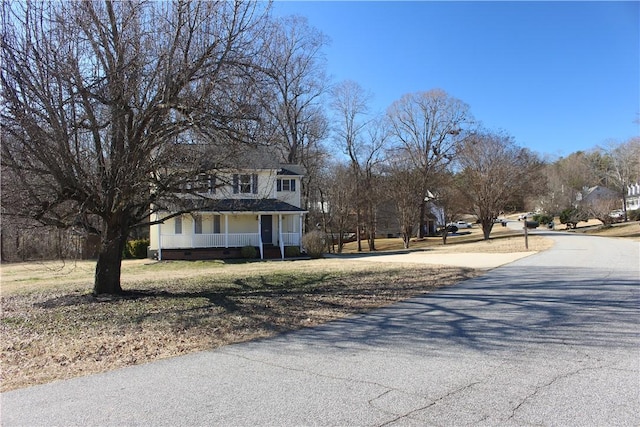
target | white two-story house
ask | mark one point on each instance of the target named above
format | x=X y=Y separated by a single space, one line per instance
x=633 y=197
x=259 y=205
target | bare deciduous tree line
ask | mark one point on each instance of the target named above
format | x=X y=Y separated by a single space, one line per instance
x=101 y=101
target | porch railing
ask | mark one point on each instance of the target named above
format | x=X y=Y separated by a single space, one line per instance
x=291 y=239
x=217 y=240
x=243 y=239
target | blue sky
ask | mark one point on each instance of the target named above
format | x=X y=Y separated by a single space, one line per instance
x=558 y=76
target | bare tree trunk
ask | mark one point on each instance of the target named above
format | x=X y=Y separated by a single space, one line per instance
x=358 y=234
x=372 y=240
x=340 y=242
x=422 y=213
x=406 y=236
x=371 y=227
x=487 y=225
x=3 y=257
x=108 y=268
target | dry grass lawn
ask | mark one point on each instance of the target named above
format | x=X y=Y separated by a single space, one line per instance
x=52 y=328
x=629 y=231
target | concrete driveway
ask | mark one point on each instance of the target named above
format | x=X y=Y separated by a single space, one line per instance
x=550 y=339
x=483 y=261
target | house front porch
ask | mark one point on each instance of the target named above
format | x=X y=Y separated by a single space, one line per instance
x=207 y=235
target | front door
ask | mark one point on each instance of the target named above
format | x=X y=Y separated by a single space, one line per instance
x=266 y=226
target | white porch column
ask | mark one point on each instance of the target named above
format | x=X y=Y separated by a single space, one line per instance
x=193 y=232
x=280 y=235
x=300 y=231
x=226 y=230
x=159 y=238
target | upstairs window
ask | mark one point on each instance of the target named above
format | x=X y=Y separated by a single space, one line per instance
x=212 y=183
x=202 y=183
x=245 y=183
x=286 y=185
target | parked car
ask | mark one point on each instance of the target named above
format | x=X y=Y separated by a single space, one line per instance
x=460 y=224
x=451 y=228
x=618 y=214
x=346 y=238
x=525 y=215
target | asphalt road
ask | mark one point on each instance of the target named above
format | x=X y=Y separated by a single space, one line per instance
x=550 y=339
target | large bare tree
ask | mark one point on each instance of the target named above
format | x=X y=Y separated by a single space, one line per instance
x=339 y=192
x=493 y=171
x=399 y=185
x=428 y=126
x=294 y=62
x=350 y=105
x=96 y=95
x=294 y=66
x=370 y=157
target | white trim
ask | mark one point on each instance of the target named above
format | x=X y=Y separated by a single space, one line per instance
x=280 y=241
x=159 y=238
x=301 y=231
x=226 y=230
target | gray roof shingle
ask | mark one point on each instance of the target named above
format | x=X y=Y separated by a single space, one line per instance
x=236 y=205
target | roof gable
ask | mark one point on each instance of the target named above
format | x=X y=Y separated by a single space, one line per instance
x=292 y=170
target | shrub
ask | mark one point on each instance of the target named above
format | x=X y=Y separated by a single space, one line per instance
x=139 y=248
x=634 y=215
x=315 y=243
x=572 y=216
x=248 y=252
x=136 y=249
x=543 y=218
x=291 y=251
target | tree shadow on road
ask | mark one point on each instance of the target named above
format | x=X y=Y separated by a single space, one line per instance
x=526 y=307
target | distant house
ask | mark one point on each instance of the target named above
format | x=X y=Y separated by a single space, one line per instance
x=258 y=205
x=387 y=218
x=633 y=197
x=598 y=193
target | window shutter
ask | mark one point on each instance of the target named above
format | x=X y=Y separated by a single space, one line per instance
x=254 y=183
x=279 y=185
x=236 y=183
x=293 y=185
x=212 y=184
